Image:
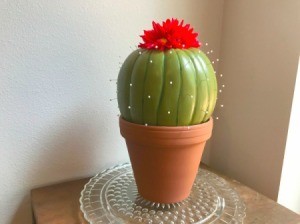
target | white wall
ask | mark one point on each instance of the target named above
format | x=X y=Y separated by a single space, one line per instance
x=289 y=190
x=56 y=59
x=259 y=51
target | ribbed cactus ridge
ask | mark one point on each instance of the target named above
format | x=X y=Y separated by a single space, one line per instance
x=175 y=87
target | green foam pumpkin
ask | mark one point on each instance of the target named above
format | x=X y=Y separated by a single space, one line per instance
x=162 y=85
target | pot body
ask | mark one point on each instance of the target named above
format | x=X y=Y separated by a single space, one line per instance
x=165 y=160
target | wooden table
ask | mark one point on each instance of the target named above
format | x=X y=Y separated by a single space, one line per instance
x=59 y=204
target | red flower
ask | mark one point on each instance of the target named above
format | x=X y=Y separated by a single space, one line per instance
x=171 y=34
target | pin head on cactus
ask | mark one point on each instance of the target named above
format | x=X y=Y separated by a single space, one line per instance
x=171 y=69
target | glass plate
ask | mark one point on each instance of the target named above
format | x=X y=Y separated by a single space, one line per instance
x=112 y=197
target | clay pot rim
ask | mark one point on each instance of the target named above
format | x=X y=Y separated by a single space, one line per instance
x=166 y=135
x=207 y=124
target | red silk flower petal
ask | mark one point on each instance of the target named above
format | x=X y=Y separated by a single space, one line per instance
x=169 y=34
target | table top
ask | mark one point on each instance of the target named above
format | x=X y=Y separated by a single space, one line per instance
x=59 y=204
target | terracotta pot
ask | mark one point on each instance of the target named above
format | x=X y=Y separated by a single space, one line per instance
x=165 y=160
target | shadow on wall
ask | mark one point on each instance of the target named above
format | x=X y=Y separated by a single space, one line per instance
x=226 y=137
x=66 y=153
x=23 y=211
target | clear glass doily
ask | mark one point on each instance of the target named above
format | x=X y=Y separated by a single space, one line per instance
x=111 y=197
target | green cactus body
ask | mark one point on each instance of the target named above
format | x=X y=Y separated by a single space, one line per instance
x=175 y=87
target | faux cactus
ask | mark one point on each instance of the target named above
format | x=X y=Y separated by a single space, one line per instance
x=168 y=81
